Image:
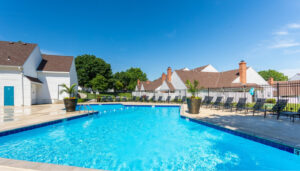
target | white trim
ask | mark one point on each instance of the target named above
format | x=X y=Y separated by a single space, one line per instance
x=54 y=72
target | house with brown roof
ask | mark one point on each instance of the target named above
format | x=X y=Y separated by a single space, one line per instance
x=173 y=83
x=29 y=77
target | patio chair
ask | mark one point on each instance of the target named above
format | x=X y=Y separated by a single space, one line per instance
x=258 y=106
x=228 y=103
x=146 y=99
x=124 y=99
x=183 y=99
x=110 y=99
x=159 y=99
x=241 y=105
x=118 y=99
x=103 y=99
x=176 y=98
x=134 y=98
x=204 y=100
x=142 y=98
x=217 y=103
x=153 y=99
x=289 y=114
x=208 y=101
x=278 y=107
x=168 y=99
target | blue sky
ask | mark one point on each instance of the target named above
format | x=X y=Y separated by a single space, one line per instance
x=154 y=34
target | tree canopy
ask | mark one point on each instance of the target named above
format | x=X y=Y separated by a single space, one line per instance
x=129 y=78
x=278 y=76
x=89 y=66
x=95 y=73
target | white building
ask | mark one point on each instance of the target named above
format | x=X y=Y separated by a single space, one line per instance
x=28 y=77
x=295 y=77
x=173 y=83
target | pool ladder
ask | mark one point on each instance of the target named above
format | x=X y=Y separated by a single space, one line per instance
x=87 y=108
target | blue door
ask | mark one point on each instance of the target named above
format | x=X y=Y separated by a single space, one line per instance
x=8 y=95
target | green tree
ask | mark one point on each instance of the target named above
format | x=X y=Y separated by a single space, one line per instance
x=89 y=66
x=99 y=83
x=118 y=85
x=278 y=76
x=129 y=78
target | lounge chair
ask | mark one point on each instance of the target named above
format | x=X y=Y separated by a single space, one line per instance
x=141 y=98
x=159 y=99
x=103 y=99
x=118 y=99
x=204 y=100
x=134 y=98
x=168 y=99
x=153 y=99
x=228 y=103
x=258 y=106
x=110 y=99
x=208 y=101
x=241 y=105
x=289 y=114
x=217 y=103
x=176 y=99
x=146 y=99
x=278 y=107
x=124 y=99
x=183 y=99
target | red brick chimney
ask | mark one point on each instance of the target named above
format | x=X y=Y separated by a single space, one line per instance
x=138 y=82
x=163 y=77
x=243 y=72
x=169 y=74
x=271 y=80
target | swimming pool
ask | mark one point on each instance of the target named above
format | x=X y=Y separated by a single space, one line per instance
x=142 y=138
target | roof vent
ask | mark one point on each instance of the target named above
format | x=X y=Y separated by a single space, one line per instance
x=11 y=42
x=24 y=43
x=8 y=58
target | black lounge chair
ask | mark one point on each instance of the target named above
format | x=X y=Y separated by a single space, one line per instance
x=258 y=106
x=228 y=103
x=168 y=99
x=204 y=100
x=176 y=99
x=183 y=99
x=110 y=99
x=146 y=99
x=159 y=99
x=208 y=101
x=289 y=114
x=133 y=98
x=278 y=107
x=124 y=99
x=217 y=103
x=103 y=99
x=153 y=99
x=241 y=105
x=118 y=99
x=141 y=98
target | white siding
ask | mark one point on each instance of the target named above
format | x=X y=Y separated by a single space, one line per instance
x=209 y=68
x=178 y=84
x=49 y=91
x=32 y=63
x=10 y=77
x=252 y=77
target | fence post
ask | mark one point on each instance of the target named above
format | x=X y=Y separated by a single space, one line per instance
x=277 y=91
x=208 y=92
x=244 y=89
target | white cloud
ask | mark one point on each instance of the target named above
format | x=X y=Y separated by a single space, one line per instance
x=290 y=72
x=284 y=45
x=294 y=26
x=281 y=33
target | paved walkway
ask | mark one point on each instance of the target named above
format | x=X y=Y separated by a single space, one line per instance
x=282 y=130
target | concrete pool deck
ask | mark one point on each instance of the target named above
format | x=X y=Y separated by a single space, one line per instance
x=282 y=131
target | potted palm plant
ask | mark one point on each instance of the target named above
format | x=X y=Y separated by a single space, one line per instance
x=193 y=102
x=71 y=101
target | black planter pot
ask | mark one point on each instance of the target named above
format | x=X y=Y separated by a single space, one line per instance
x=193 y=105
x=70 y=104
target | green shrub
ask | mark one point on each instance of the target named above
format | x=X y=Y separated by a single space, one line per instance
x=273 y=101
x=81 y=100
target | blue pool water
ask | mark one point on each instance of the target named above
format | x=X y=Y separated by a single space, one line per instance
x=142 y=138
